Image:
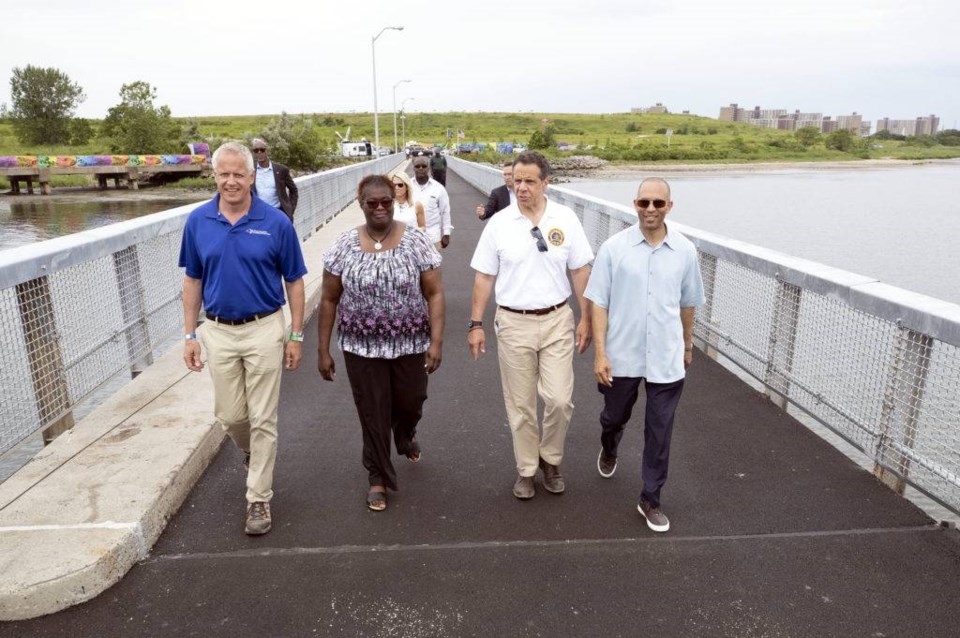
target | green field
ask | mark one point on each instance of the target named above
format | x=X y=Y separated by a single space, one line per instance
x=617 y=137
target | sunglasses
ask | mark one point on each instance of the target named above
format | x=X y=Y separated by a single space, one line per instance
x=399 y=184
x=541 y=244
x=645 y=203
x=374 y=204
x=259 y=150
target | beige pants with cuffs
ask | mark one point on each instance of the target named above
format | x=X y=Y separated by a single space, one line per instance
x=536 y=357
x=246 y=363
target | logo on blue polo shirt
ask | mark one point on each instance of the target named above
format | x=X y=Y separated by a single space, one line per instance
x=253 y=231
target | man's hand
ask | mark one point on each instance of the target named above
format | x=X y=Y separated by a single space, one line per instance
x=480 y=212
x=477 y=341
x=191 y=355
x=326 y=366
x=687 y=358
x=445 y=241
x=584 y=335
x=602 y=370
x=292 y=353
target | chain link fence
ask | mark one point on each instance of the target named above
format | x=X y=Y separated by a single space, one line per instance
x=877 y=365
x=78 y=310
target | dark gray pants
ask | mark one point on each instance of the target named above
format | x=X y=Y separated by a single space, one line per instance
x=662 y=401
x=389 y=395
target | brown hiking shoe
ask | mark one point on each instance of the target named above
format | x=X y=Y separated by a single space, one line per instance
x=552 y=481
x=656 y=519
x=258 y=518
x=523 y=488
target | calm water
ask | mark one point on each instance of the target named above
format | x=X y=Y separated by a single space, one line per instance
x=900 y=225
x=26 y=219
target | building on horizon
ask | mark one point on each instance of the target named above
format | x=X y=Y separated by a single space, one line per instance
x=923 y=125
x=657 y=108
x=782 y=120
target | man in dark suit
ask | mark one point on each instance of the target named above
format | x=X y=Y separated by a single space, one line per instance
x=274 y=184
x=500 y=197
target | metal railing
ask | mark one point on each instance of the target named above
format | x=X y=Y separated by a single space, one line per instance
x=877 y=365
x=75 y=311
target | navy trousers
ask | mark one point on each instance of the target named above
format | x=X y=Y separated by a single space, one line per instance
x=662 y=401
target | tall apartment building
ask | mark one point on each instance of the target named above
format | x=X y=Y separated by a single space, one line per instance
x=852 y=123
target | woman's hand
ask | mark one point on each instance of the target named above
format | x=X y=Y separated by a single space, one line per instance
x=432 y=357
x=326 y=366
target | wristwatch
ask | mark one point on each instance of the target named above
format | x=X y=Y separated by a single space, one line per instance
x=473 y=323
x=295 y=336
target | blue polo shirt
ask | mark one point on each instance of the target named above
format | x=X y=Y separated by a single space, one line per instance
x=241 y=265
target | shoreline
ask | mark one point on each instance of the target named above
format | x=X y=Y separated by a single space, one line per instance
x=632 y=171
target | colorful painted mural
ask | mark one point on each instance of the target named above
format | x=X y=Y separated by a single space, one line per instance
x=70 y=161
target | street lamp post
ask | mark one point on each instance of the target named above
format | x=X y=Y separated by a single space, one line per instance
x=403 y=121
x=395 y=113
x=376 y=114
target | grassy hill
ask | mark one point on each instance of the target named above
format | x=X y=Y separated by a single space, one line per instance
x=617 y=137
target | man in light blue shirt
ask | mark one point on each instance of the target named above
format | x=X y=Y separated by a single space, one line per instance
x=645 y=286
x=273 y=183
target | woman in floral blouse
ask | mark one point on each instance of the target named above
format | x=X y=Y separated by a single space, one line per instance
x=382 y=286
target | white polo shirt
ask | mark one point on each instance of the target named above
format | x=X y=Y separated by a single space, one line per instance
x=528 y=279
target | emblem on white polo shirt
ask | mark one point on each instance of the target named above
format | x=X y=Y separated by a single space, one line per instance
x=555 y=237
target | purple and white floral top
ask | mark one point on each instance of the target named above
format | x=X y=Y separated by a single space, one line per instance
x=382 y=312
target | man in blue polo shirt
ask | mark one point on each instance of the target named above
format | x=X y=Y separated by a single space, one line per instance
x=645 y=287
x=236 y=251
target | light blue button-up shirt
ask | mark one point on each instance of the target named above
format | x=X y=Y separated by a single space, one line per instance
x=267 y=185
x=643 y=289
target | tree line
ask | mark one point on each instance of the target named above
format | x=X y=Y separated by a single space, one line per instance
x=44 y=102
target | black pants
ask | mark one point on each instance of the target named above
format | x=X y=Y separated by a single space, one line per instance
x=389 y=394
x=662 y=401
x=441 y=176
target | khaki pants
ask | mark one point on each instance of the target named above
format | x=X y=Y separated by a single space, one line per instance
x=246 y=363
x=536 y=357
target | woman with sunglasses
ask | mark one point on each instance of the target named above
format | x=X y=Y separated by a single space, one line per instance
x=407 y=210
x=382 y=286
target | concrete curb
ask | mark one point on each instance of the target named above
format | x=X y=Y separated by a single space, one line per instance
x=89 y=506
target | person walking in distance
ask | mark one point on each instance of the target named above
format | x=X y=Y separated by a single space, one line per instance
x=645 y=287
x=501 y=196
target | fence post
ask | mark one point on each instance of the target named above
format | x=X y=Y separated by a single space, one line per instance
x=902 y=402
x=783 y=339
x=35 y=305
x=708 y=271
x=126 y=266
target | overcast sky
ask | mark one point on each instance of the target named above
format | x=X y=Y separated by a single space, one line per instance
x=877 y=57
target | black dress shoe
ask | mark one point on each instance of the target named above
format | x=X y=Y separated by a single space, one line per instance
x=552 y=481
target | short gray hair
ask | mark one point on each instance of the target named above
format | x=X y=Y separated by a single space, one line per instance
x=235 y=148
x=254 y=141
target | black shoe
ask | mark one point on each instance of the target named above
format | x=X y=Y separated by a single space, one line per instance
x=606 y=464
x=246 y=460
x=552 y=481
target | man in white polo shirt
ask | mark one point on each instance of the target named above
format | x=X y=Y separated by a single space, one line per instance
x=525 y=251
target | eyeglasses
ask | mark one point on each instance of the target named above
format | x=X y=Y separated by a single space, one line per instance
x=416 y=166
x=259 y=150
x=399 y=184
x=645 y=203
x=541 y=244
x=374 y=204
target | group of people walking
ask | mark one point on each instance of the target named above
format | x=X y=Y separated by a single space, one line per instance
x=382 y=289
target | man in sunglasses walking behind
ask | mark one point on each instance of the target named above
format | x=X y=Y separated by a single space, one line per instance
x=526 y=250
x=274 y=184
x=645 y=286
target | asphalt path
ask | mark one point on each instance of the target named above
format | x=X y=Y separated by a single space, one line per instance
x=773 y=531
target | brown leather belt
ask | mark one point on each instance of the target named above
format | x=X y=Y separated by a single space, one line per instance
x=240 y=322
x=537 y=311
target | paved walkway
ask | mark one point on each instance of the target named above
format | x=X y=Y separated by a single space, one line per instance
x=774 y=533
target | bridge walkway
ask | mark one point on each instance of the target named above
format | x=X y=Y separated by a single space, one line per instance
x=774 y=532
